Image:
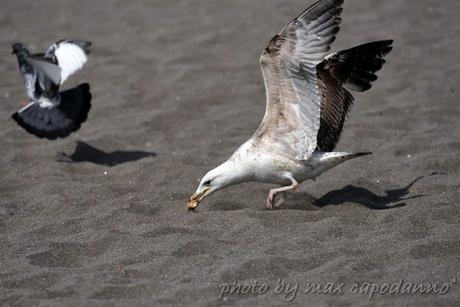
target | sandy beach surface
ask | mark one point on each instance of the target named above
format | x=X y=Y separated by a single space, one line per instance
x=99 y=218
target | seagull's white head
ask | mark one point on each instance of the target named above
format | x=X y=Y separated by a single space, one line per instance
x=224 y=175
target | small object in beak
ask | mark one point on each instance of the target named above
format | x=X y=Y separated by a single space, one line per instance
x=192 y=204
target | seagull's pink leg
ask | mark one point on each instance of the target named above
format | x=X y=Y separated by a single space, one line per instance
x=273 y=193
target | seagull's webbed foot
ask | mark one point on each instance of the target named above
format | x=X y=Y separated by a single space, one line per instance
x=274 y=192
x=281 y=200
x=271 y=199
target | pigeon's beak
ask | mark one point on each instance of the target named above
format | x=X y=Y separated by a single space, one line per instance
x=194 y=201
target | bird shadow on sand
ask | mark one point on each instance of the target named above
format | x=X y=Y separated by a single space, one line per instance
x=87 y=153
x=392 y=199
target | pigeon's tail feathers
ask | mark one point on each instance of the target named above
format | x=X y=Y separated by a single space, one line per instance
x=58 y=121
x=76 y=103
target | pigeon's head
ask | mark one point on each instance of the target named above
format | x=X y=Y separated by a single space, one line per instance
x=18 y=49
x=225 y=175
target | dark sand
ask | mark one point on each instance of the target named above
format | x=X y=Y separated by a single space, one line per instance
x=181 y=79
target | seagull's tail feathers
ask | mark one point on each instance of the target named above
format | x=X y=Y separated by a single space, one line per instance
x=357 y=155
x=357 y=67
x=323 y=161
x=57 y=121
x=339 y=157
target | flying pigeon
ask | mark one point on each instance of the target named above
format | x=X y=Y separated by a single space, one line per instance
x=49 y=113
x=308 y=100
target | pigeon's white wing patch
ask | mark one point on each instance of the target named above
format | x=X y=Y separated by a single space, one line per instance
x=70 y=57
x=50 y=70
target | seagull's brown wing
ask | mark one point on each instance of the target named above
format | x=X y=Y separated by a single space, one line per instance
x=292 y=116
x=354 y=69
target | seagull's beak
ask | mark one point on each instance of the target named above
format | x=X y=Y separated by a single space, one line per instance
x=194 y=201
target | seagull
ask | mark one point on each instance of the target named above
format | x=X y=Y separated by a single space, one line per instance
x=307 y=102
x=49 y=113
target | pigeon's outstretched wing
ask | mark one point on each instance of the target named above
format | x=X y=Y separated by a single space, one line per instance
x=46 y=77
x=70 y=56
x=50 y=70
x=292 y=117
x=354 y=69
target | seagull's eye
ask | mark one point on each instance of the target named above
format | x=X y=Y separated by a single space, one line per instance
x=207 y=183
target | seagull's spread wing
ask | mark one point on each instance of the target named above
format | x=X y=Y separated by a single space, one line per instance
x=354 y=69
x=292 y=117
x=69 y=55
